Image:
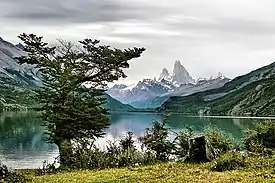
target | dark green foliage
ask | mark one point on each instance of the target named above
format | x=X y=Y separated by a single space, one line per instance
x=229 y=161
x=157 y=140
x=127 y=142
x=88 y=156
x=10 y=177
x=47 y=168
x=15 y=96
x=261 y=139
x=219 y=141
x=70 y=110
x=250 y=101
x=115 y=105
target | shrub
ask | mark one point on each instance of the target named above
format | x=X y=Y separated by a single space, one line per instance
x=157 y=140
x=127 y=142
x=47 y=168
x=229 y=161
x=10 y=177
x=182 y=142
x=261 y=139
x=219 y=141
x=123 y=154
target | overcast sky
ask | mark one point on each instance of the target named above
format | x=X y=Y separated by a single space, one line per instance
x=233 y=37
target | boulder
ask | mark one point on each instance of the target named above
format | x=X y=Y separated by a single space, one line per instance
x=199 y=150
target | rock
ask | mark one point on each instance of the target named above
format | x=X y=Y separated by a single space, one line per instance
x=181 y=75
x=259 y=87
x=199 y=150
x=164 y=75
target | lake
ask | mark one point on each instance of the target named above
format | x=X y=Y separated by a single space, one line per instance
x=23 y=145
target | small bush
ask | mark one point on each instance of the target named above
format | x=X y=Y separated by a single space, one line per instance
x=47 y=168
x=229 y=161
x=261 y=139
x=123 y=154
x=219 y=141
x=127 y=142
x=157 y=140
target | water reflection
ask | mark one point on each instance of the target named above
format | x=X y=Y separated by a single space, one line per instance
x=22 y=142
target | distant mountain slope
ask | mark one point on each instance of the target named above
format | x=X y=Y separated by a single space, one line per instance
x=250 y=94
x=139 y=95
x=114 y=105
x=10 y=69
x=188 y=89
x=14 y=96
x=16 y=81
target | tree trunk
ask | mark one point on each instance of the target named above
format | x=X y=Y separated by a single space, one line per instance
x=65 y=152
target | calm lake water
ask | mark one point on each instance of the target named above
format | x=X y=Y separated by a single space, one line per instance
x=22 y=143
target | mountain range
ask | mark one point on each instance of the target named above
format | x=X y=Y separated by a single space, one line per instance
x=251 y=94
x=151 y=93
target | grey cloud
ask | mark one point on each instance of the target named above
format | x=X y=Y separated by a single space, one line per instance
x=66 y=11
x=207 y=36
x=81 y=11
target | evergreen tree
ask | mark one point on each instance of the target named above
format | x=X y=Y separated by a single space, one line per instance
x=72 y=111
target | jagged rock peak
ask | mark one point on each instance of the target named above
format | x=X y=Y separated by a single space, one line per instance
x=164 y=75
x=181 y=75
x=165 y=72
x=218 y=76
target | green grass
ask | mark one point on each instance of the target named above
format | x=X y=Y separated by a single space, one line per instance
x=167 y=172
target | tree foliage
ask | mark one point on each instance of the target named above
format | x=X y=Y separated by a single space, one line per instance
x=71 y=110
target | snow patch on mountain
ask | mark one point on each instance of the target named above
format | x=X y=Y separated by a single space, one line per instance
x=138 y=94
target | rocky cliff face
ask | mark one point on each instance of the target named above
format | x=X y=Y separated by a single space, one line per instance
x=179 y=76
x=11 y=70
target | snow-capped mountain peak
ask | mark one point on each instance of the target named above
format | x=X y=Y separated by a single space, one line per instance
x=181 y=75
x=218 y=76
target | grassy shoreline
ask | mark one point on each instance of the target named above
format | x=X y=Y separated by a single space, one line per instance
x=166 y=172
